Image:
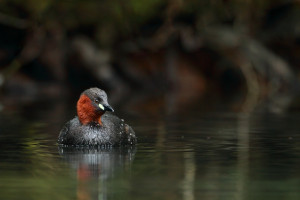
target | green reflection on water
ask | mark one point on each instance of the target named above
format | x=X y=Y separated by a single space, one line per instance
x=203 y=156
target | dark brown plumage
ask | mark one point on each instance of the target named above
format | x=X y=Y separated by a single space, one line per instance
x=93 y=126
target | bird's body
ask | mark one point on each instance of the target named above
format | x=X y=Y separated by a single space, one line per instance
x=93 y=126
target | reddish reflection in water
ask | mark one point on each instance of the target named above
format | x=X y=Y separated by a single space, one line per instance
x=207 y=152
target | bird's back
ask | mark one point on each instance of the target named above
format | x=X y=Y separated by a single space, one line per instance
x=113 y=132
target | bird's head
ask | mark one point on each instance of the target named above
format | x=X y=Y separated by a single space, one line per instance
x=91 y=105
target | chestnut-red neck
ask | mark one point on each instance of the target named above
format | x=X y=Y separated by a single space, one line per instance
x=87 y=112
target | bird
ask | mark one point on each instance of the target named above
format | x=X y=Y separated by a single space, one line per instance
x=95 y=125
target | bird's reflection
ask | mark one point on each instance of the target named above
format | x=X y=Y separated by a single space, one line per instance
x=95 y=166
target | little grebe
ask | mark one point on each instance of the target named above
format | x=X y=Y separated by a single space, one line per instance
x=93 y=126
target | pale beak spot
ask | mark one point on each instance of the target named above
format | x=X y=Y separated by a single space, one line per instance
x=101 y=106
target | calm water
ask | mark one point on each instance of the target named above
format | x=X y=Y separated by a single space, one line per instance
x=195 y=155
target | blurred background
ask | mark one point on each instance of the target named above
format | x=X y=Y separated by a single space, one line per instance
x=152 y=53
x=211 y=88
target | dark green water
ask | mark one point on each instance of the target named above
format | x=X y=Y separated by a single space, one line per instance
x=196 y=155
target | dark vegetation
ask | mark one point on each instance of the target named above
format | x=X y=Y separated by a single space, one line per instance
x=182 y=49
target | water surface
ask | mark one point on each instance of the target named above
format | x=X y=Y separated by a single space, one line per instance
x=215 y=154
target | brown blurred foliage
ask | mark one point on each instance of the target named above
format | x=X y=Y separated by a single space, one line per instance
x=184 y=49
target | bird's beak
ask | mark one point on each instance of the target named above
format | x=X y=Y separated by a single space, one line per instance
x=106 y=107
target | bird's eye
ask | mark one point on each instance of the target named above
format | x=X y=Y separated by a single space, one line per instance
x=98 y=100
